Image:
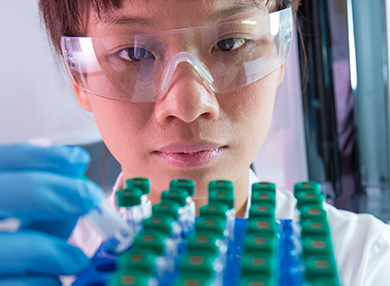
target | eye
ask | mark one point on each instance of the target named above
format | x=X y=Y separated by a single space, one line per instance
x=230 y=44
x=136 y=54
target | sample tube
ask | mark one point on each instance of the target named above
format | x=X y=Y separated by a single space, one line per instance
x=113 y=229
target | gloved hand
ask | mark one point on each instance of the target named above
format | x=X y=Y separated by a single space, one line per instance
x=42 y=195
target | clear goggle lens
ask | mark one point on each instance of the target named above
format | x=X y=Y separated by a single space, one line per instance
x=140 y=67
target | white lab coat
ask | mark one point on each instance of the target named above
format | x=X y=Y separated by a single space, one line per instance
x=361 y=242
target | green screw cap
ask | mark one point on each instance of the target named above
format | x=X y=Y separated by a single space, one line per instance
x=266 y=225
x=221 y=185
x=128 y=197
x=263 y=197
x=167 y=207
x=222 y=196
x=141 y=183
x=130 y=278
x=264 y=186
x=188 y=185
x=313 y=212
x=259 y=279
x=198 y=262
x=314 y=228
x=261 y=262
x=140 y=259
x=323 y=267
x=262 y=210
x=217 y=209
x=325 y=281
x=193 y=279
x=203 y=241
x=307 y=187
x=314 y=246
x=161 y=222
x=177 y=195
x=212 y=225
x=309 y=199
x=151 y=239
x=261 y=243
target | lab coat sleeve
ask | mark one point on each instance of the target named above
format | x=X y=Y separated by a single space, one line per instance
x=362 y=248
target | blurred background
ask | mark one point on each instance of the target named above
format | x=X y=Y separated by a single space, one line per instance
x=331 y=119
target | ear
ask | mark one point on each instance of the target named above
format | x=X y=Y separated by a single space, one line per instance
x=82 y=97
x=281 y=74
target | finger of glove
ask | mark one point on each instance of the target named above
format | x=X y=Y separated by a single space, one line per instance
x=62 y=229
x=33 y=253
x=29 y=281
x=67 y=160
x=40 y=196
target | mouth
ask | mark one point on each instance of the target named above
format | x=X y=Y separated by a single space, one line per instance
x=184 y=156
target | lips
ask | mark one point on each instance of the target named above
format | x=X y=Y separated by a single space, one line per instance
x=190 y=156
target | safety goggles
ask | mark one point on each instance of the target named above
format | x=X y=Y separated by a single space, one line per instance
x=141 y=67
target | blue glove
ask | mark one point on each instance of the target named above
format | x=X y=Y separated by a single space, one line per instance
x=43 y=190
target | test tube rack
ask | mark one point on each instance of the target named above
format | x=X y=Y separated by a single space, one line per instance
x=220 y=250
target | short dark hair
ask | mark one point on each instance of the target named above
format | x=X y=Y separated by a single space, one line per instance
x=68 y=17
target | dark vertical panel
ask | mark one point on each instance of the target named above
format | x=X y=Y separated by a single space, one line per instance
x=318 y=97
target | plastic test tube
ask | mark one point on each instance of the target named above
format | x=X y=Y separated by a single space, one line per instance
x=144 y=185
x=112 y=227
x=130 y=208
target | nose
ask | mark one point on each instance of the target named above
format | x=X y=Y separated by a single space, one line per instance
x=187 y=98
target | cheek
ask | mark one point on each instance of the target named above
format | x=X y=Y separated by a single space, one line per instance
x=252 y=108
x=122 y=125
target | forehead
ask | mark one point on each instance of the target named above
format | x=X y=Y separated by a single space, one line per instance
x=139 y=16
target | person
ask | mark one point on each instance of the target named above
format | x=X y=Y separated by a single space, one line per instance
x=179 y=89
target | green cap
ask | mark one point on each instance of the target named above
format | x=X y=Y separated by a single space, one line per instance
x=307 y=187
x=259 y=262
x=313 y=246
x=151 y=239
x=332 y=280
x=265 y=225
x=264 y=186
x=309 y=199
x=261 y=242
x=128 y=197
x=314 y=227
x=161 y=222
x=188 y=185
x=262 y=210
x=223 y=196
x=177 y=195
x=263 y=197
x=193 y=279
x=141 y=259
x=212 y=225
x=313 y=212
x=258 y=279
x=320 y=267
x=221 y=185
x=167 y=207
x=142 y=183
x=217 y=209
x=129 y=278
x=197 y=261
x=203 y=241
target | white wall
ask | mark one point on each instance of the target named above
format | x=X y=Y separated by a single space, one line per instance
x=36 y=100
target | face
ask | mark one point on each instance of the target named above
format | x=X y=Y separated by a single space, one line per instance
x=191 y=132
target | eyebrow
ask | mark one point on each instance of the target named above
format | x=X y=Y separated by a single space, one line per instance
x=235 y=10
x=113 y=19
x=123 y=20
